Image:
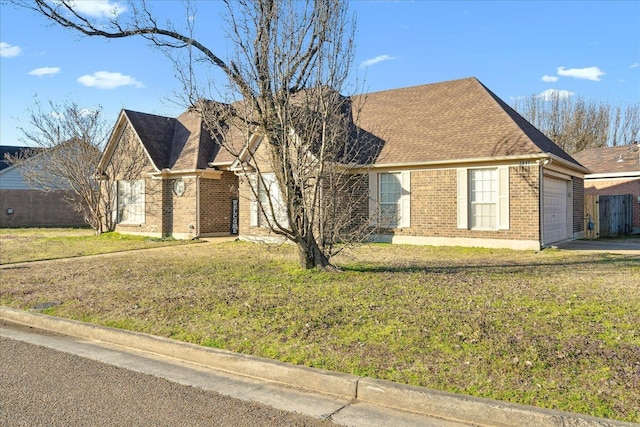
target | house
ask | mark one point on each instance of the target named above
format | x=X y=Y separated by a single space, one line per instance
x=157 y=170
x=615 y=171
x=24 y=204
x=458 y=166
x=453 y=165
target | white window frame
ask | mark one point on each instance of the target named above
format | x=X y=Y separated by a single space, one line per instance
x=403 y=203
x=500 y=198
x=130 y=201
x=272 y=190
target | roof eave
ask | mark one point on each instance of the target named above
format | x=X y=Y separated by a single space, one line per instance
x=479 y=160
x=601 y=175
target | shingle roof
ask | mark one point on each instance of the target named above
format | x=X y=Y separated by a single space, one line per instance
x=180 y=143
x=623 y=158
x=448 y=121
x=458 y=119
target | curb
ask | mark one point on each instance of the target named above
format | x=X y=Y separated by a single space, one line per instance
x=420 y=400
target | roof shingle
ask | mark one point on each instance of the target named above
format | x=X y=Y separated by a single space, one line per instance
x=454 y=120
x=620 y=159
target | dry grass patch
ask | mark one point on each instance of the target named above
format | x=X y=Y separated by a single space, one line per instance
x=556 y=329
x=35 y=244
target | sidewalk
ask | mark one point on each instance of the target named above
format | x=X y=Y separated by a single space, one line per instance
x=344 y=399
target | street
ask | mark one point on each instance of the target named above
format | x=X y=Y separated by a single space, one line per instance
x=44 y=387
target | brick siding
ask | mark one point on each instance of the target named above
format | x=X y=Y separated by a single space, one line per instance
x=35 y=208
x=434 y=206
x=215 y=203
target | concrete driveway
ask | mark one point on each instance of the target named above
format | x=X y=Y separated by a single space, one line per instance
x=626 y=246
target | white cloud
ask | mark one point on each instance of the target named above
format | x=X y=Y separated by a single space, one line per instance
x=108 y=80
x=87 y=112
x=9 y=51
x=589 y=73
x=635 y=65
x=44 y=71
x=377 y=59
x=552 y=79
x=99 y=8
x=551 y=94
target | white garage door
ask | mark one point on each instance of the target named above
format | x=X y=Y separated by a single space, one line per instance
x=555 y=210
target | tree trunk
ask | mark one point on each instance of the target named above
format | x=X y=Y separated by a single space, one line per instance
x=310 y=255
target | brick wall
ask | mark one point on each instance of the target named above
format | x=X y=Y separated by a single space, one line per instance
x=130 y=162
x=434 y=206
x=610 y=187
x=34 y=208
x=215 y=203
x=180 y=211
x=153 y=216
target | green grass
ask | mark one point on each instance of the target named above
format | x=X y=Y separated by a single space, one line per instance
x=36 y=244
x=556 y=329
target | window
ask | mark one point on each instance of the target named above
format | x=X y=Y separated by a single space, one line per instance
x=267 y=187
x=483 y=198
x=130 y=202
x=389 y=199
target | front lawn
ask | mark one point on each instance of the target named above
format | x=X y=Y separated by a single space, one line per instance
x=556 y=329
x=34 y=244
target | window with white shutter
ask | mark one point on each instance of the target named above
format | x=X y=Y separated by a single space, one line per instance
x=390 y=199
x=483 y=198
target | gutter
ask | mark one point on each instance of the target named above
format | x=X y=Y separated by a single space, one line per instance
x=613 y=175
x=454 y=162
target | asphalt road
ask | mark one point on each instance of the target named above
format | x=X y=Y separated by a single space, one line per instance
x=40 y=386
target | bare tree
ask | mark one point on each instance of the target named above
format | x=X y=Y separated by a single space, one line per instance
x=67 y=143
x=576 y=124
x=625 y=125
x=289 y=65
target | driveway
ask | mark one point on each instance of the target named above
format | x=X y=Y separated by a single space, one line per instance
x=626 y=246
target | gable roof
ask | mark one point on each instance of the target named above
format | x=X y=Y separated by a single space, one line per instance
x=620 y=159
x=448 y=121
x=178 y=144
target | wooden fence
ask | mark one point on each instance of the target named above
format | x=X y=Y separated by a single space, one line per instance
x=607 y=216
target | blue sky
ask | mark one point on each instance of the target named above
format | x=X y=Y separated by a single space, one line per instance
x=516 y=48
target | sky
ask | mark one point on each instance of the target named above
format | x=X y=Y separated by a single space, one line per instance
x=517 y=49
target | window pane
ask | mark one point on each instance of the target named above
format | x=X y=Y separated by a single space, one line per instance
x=131 y=202
x=483 y=195
x=390 y=189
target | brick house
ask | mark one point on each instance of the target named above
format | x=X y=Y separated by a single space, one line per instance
x=161 y=181
x=453 y=165
x=23 y=204
x=614 y=171
x=458 y=166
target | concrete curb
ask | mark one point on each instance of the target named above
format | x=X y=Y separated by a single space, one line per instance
x=448 y=406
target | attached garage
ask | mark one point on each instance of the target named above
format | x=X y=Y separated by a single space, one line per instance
x=555 y=211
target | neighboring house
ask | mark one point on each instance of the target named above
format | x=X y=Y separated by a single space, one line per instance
x=614 y=171
x=454 y=165
x=25 y=205
x=160 y=178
